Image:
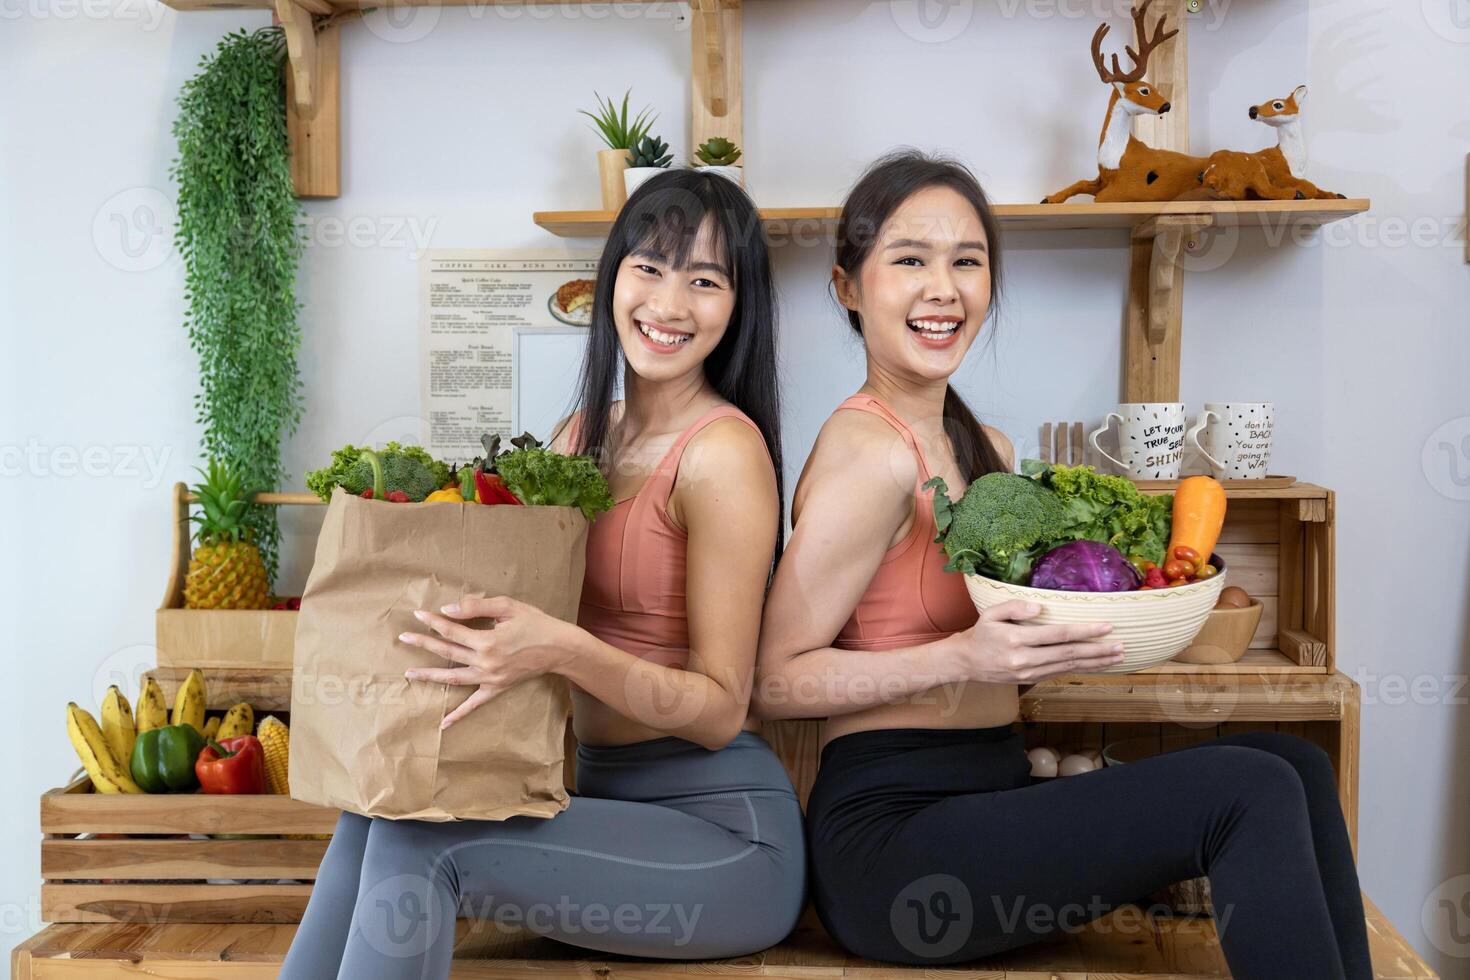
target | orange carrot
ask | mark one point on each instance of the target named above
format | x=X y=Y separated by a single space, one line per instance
x=1199 y=513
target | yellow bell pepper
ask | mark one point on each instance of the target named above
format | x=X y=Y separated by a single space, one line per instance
x=451 y=496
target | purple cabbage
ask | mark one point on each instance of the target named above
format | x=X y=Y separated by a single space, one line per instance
x=1085 y=566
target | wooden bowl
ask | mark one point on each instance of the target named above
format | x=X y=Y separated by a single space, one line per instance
x=1225 y=637
x=1152 y=625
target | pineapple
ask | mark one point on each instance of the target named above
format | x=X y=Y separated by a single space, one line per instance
x=225 y=571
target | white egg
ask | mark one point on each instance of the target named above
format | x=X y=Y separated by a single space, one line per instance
x=1095 y=755
x=1043 y=761
x=1074 y=764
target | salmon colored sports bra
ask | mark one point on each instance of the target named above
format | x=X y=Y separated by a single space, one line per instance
x=911 y=599
x=633 y=593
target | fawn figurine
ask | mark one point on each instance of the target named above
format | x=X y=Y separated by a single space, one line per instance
x=1127 y=168
x=1275 y=173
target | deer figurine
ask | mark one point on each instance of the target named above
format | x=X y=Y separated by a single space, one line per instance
x=1274 y=173
x=1127 y=168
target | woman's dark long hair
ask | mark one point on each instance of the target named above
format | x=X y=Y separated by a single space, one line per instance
x=664 y=216
x=881 y=190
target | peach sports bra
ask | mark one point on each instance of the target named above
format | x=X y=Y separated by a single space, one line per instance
x=633 y=594
x=911 y=599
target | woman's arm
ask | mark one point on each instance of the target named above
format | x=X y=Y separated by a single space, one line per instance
x=727 y=500
x=858 y=491
x=849 y=514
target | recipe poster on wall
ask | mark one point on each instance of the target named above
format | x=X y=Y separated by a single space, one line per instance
x=471 y=303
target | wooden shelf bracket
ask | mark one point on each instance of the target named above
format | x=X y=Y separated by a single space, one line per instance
x=1156 y=305
x=714 y=72
x=295 y=18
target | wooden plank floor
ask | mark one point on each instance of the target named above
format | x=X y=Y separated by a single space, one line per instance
x=1127 y=945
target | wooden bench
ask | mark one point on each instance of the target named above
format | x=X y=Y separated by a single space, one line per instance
x=1130 y=944
x=1127 y=945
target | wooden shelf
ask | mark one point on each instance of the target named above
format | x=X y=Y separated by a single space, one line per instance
x=794 y=222
x=1191 y=698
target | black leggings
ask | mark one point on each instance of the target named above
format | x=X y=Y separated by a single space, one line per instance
x=934 y=846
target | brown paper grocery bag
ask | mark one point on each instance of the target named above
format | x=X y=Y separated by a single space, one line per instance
x=364 y=738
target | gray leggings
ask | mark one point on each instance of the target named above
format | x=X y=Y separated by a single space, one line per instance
x=667 y=850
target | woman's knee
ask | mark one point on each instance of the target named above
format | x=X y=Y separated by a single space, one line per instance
x=1253 y=779
x=1307 y=757
x=409 y=852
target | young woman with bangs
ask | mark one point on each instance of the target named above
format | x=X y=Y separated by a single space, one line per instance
x=684 y=837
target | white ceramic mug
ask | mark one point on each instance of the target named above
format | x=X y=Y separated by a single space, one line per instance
x=1150 y=439
x=1236 y=439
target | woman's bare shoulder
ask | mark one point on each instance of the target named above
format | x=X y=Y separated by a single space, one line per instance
x=728 y=447
x=859 y=455
x=1002 y=445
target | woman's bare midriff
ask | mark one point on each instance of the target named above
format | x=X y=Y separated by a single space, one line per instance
x=968 y=704
x=594 y=723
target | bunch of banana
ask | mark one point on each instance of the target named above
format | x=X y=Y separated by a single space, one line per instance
x=152 y=709
x=97 y=754
x=190 y=701
x=239 y=720
x=118 y=728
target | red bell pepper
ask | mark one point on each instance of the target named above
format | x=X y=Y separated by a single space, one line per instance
x=490 y=489
x=235 y=765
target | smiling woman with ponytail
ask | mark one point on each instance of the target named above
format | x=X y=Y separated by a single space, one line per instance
x=929 y=841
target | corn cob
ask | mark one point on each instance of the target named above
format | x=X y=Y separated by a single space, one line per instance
x=275 y=739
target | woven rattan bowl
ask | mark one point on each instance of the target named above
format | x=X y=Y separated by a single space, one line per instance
x=1152 y=625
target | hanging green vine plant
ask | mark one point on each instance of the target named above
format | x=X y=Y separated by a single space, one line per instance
x=240 y=242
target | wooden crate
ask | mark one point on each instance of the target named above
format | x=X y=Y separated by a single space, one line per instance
x=131 y=858
x=247 y=638
x=1278 y=543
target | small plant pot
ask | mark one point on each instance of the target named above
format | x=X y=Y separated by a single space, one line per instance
x=735 y=173
x=634 y=176
x=610 y=167
x=1225 y=637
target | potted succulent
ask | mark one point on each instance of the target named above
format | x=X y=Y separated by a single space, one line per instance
x=718 y=155
x=648 y=158
x=621 y=135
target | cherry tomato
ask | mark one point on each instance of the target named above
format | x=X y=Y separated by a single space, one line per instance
x=1206 y=571
x=1187 y=554
x=1176 y=569
x=1178 y=581
x=1145 y=588
x=1148 y=564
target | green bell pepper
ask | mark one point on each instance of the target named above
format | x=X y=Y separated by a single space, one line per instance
x=163 y=759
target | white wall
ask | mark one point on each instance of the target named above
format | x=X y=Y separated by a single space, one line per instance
x=460 y=126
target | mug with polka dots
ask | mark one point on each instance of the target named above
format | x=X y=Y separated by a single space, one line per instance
x=1234 y=438
x=1150 y=439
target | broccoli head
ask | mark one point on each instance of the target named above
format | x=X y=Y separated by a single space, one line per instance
x=407 y=468
x=1002 y=524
